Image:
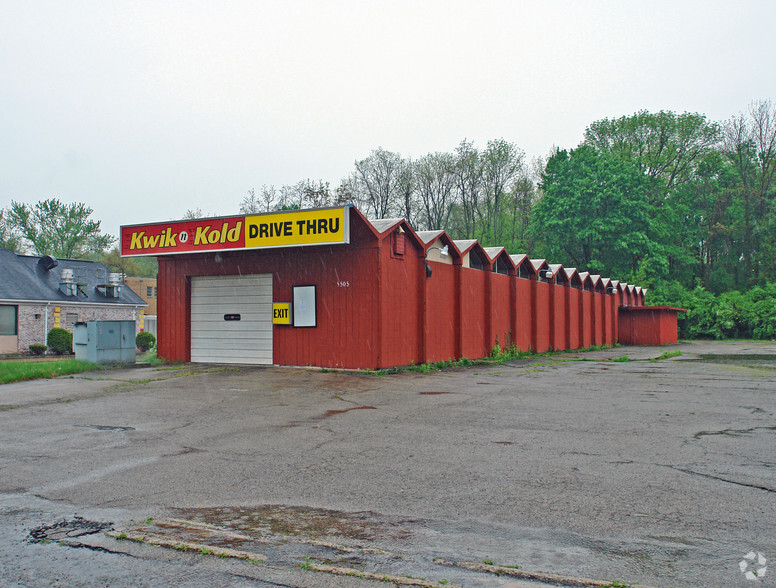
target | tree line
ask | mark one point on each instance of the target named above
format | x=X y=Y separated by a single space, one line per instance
x=648 y=198
x=674 y=202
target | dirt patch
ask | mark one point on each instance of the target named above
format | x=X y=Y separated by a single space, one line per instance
x=271 y=520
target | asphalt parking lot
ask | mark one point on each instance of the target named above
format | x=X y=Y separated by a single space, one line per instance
x=609 y=465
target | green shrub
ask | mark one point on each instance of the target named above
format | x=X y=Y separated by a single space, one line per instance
x=749 y=314
x=60 y=341
x=145 y=341
x=38 y=349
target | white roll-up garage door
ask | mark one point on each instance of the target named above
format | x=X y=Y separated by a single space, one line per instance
x=231 y=319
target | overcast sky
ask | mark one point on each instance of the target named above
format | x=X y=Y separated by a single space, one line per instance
x=143 y=110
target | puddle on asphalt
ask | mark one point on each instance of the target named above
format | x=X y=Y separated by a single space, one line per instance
x=748 y=360
x=737 y=356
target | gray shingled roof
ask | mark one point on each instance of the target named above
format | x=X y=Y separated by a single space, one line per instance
x=383 y=224
x=22 y=278
x=429 y=236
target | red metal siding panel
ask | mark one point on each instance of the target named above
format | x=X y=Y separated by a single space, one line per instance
x=609 y=332
x=587 y=319
x=500 y=311
x=573 y=314
x=401 y=307
x=541 y=316
x=173 y=299
x=559 y=316
x=625 y=332
x=652 y=326
x=598 y=319
x=347 y=299
x=473 y=313
x=523 y=310
x=440 y=313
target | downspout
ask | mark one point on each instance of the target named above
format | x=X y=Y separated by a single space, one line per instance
x=512 y=309
x=45 y=323
x=423 y=322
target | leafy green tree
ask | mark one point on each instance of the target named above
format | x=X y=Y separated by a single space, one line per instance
x=594 y=213
x=377 y=182
x=137 y=267
x=664 y=145
x=502 y=164
x=9 y=235
x=468 y=184
x=667 y=148
x=435 y=185
x=51 y=227
x=750 y=147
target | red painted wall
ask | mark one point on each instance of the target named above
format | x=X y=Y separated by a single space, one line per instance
x=349 y=323
x=173 y=302
x=474 y=313
x=346 y=334
x=559 y=322
x=587 y=318
x=524 y=310
x=401 y=305
x=610 y=335
x=648 y=325
x=500 y=310
x=441 y=317
x=378 y=309
x=598 y=318
x=574 y=302
x=541 y=317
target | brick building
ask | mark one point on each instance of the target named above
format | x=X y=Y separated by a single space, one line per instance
x=40 y=293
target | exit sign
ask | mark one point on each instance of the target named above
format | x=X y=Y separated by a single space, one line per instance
x=281 y=313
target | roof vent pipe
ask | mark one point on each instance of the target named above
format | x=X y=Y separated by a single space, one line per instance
x=47 y=262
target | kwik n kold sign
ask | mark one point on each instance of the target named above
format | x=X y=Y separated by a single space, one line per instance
x=325 y=226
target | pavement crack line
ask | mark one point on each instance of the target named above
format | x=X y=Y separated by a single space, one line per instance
x=98 y=548
x=721 y=479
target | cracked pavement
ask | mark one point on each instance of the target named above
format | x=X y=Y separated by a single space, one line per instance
x=651 y=472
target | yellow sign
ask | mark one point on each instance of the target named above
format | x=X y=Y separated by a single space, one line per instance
x=281 y=313
x=305 y=227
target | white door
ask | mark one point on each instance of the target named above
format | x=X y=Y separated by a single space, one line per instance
x=231 y=319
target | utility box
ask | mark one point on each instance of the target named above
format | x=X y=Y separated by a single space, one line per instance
x=105 y=341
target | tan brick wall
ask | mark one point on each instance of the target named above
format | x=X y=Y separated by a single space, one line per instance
x=33 y=330
x=140 y=287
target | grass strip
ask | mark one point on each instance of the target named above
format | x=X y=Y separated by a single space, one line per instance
x=19 y=371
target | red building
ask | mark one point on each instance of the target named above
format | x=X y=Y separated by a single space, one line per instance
x=330 y=288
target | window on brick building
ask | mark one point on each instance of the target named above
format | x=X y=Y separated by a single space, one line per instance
x=8 y=320
x=71 y=318
x=149 y=291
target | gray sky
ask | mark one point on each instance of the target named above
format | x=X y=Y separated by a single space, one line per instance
x=145 y=109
